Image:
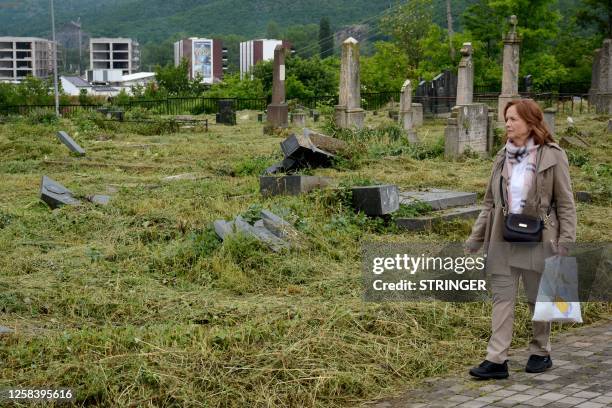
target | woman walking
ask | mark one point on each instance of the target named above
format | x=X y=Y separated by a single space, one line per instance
x=530 y=181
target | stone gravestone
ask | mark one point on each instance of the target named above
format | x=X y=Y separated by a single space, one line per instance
x=549 y=118
x=278 y=111
x=528 y=83
x=298 y=119
x=417 y=114
x=609 y=125
x=405 y=113
x=510 y=70
x=465 y=76
x=56 y=195
x=603 y=94
x=466 y=129
x=68 y=141
x=227 y=113
x=348 y=111
x=594 y=89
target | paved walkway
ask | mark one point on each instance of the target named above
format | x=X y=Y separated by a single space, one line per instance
x=581 y=377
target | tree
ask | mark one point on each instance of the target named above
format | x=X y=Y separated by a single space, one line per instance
x=304 y=39
x=175 y=80
x=386 y=70
x=598 y=13
x=326 y=39
x=408 y=24
x=273 y=31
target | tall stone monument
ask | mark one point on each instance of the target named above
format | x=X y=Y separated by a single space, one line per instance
x=603 y=95
x=465 y=76
x=510 y=73
x=278 y=111
x=595 y=77
x=348 y=111
x=406 y=118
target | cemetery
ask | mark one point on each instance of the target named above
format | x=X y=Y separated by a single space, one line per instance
x=214 y=259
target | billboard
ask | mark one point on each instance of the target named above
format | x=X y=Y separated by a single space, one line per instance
x=202 y=59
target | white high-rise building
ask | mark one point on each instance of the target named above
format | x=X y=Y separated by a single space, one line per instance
x=253 y=51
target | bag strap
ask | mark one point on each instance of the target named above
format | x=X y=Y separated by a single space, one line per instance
x=501 y=190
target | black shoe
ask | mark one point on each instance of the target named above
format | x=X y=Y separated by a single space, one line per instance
x=488 y=370
x=538 y=364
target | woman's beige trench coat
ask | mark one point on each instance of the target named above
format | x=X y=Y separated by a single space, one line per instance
x=552 y=187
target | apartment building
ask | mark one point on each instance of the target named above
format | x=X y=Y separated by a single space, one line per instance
x=114 y=53
x=23 y=56
x=253 y=51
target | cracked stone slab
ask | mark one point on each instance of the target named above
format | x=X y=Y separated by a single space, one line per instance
x=438 y=199
x=100 y=199
x=5 y=330
x=376 y=200
x=426 y=222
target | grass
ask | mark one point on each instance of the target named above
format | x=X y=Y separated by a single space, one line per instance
x=139 y=304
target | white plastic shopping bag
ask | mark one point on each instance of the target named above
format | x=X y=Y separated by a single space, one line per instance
x=558 y=292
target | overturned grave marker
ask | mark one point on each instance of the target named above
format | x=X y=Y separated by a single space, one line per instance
x=573 y=142
x=56 y=195
x=327 y=143
x=306 y=154
x=5 y=330
x=290 y=185
x=426 y=222
x=70 y=143
x=447 y=205
x=376 y=200
x=438 y=199
x=271 y=230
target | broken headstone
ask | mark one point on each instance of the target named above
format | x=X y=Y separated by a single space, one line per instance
x=376 y=200
x=438 y=199
x=277 y=225
x=327 y=143
x=426 y=222
x=301 y=149
x=70 y=143
x=54 y=194
x=572 y=142
x=5 y=330
x=290 y=185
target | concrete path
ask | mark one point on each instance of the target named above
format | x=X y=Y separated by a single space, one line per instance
x=581 y=377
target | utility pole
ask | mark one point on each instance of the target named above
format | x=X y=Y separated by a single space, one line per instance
x=77 y=24
x=55 y=89
x=449 y=22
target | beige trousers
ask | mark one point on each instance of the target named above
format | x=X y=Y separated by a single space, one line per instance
x=505 y=292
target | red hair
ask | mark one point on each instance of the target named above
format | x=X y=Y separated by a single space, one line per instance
x=532 y=114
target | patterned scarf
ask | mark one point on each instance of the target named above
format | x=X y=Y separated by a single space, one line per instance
x=515 y=155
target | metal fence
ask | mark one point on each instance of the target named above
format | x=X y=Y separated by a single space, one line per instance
x=569 y=103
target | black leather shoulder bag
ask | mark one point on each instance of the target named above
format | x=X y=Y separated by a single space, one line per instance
x=521 y=227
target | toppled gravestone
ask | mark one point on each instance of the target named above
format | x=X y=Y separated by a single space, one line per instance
x=446 y=205
x=70 y=143
x=301 y=151
x=376 y=200
x=573 y=142
x=327 y=143
x=290 y=185
x=56 y=195
x=437 y=198
x=271 y=230
x=5 y=330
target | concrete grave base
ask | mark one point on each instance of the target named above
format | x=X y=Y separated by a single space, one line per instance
x=376 y=200
x=291 y=185
x=426 y=222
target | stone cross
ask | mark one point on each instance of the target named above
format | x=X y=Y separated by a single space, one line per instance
x=510 y=74
x=465 y=76
x=348 y=111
